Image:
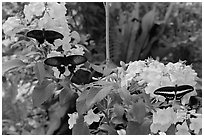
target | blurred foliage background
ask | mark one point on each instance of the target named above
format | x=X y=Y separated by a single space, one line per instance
x=168 y=32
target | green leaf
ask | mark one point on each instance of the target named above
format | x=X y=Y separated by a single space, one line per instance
x=118 y=110
x=42 y=92
x=80 y=128
x=135 y=128
x=137 y=112
x=99 y=96
x=115 y=98
x=171 y=130
x=39 y=71
x=109 y=129
x=83 y=102
x=11 y=64
x=148 y=21
x=125 y=96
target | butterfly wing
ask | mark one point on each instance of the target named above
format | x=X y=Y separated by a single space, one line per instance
x=167 y=92
x=81 y=77
x=183 y=90
x=36 y=34
x=55 y=61
x=76 y=59
x=51 y=36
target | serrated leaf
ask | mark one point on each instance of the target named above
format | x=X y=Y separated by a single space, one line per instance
x=11 y=64
x=39 y=71
x=42 y=92
x=80 y=128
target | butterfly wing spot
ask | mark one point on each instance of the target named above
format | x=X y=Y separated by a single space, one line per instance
x=36 y=34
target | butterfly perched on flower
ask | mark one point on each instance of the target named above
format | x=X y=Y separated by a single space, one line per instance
x=42 y=35
x=174 y=92
x=62 y=61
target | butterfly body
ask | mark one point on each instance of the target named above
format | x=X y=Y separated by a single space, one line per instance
x=42 y=35
x=174 y=92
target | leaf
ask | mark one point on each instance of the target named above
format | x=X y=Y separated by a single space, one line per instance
x=39 y=71
x=42 y=92
x=109 y=129
x=148 y=20
x=11 y=64
x=63 y=95
x=99 y=96
x=67 y=94
x=137 y=112
x=83 y=102
x=115 y=98
x=125 y=96
x=171 y=130
x=143 y=39
x=118 y=110
x=135 y=128
x=80 y=128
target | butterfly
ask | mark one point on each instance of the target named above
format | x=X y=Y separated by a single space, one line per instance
x=60 y=62
x=42 y=35
x=174 y=92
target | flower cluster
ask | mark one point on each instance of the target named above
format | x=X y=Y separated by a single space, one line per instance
x=155 y=75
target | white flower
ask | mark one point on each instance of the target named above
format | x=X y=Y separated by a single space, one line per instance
x=33 y=9
x=10 y=24
x=182 y=129
x=91 y=117
x=164 y=116
x=72 y=119
x=196 y=124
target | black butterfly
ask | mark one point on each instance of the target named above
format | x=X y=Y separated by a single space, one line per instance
x=42 y=35
x=176 y=92
x=70 y=61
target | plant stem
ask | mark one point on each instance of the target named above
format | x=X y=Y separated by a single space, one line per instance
x=107 y=33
